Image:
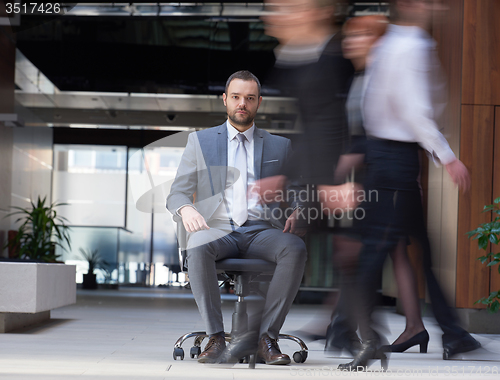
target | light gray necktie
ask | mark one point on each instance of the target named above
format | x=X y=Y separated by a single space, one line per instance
x=240 y=203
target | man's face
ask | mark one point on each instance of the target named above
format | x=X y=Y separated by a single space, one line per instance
x=242 y=102
x=357 y=43
x=285 y=18
x=292 y=21
x=420 y=11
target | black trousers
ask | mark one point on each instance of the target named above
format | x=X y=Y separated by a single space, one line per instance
x=394 y=211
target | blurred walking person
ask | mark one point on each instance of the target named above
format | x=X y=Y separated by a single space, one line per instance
x=311 y=67
x=399 y=120
x=360 y=35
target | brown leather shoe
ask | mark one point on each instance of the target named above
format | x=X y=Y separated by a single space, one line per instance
x=269 y=351
x=213 y=349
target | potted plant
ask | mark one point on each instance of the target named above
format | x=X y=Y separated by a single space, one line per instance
x=484 y=234
x=95 y=261
x=40 y=232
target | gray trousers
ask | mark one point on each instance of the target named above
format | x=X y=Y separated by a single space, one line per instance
x=257 y=240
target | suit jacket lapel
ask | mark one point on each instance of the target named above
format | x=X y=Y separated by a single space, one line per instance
x=222 y=152
x=258 y=147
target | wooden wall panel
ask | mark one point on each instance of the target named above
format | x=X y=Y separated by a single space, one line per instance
x=495 y=276
x=442 y=211
x=449 y=33
x=476 y=152
x=481 y=53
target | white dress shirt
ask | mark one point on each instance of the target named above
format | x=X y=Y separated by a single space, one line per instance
x=255 y=210
x=399 y=89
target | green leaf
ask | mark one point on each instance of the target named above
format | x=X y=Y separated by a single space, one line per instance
x=497 y=201
x=483 y=259
x=470 y=234
x=483 y=301
x=483 y=242
x=40 y=231
x=494 y=262
x=494 y=238
x=494 y=307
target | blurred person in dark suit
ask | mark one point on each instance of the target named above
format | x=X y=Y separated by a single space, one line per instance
x=399 y=120
x=310 y=67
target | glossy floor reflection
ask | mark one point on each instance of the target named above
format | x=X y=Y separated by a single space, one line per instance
x=129 y=334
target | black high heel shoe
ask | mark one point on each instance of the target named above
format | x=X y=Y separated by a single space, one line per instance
x=241 y=347
x=369 y=351
x=337 y=343
x=460 y=345
x=422 y=338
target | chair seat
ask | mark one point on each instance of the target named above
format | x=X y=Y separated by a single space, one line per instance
x=245 y=265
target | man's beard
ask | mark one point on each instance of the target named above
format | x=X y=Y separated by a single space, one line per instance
x=239 y=119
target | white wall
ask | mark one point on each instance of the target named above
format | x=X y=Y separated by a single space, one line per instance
x=31 y=173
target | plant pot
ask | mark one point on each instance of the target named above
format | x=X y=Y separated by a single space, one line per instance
x=29 y=290
x=89 y=281
x=18 y=260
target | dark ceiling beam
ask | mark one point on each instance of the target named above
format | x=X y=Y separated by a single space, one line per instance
x=130 y=137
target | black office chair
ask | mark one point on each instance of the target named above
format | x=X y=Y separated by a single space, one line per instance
x=242 y=274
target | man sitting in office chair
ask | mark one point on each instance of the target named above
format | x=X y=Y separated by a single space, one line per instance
x=226 y=222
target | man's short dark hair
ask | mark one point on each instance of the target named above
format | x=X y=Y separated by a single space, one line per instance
x=393 y=10
x=244 y=75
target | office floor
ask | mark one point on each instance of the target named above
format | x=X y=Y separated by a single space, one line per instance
x=129 y=334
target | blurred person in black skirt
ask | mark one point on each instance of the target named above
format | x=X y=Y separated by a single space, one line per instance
x=399 y=110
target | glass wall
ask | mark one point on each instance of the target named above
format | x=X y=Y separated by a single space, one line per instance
x=106 y=240
x=103 y=186
x=151 y=172
x=91 y=180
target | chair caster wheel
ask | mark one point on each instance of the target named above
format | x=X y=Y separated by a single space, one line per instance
x=195 y=352
x=446 y=354
x=300 y=356
x=178 y=353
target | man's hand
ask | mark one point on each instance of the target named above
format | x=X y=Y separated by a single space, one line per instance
x=341 y=197
x=291 y=225
x=193 y=221
x=269 y=189
x=345 y=165
x=459 y=174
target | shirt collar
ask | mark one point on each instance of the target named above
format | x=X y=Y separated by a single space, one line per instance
x=414 y=31
x=232 y=132
x=408 y=30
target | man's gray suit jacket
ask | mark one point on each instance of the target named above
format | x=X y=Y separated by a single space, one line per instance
x=203 y=171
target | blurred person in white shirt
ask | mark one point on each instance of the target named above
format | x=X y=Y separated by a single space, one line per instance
x=400 y=119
